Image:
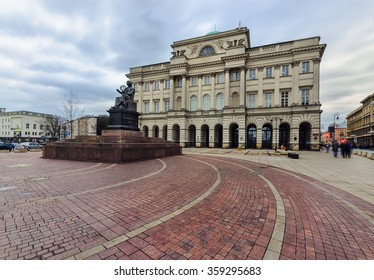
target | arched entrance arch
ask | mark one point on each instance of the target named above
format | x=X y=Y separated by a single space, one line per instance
x=204 y=136
x=234 y=135
x=191 y=136
x=218 y=136
x=175 y=134
x=145 y=131
x=284 y=135
x=305 y=130
x=251 y=136
x=267 y=136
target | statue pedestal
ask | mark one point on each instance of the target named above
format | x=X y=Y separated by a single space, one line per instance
x=123 y=119
x=121 y=142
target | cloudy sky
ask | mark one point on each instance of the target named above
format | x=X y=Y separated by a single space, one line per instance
x=50 y=48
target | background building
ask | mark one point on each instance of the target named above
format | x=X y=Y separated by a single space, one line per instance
x=218 y=91
x=84 y=126
x=360 y=123
x=20 y=126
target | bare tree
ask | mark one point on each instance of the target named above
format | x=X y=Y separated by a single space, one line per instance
x=72 y=111
x=51 y=125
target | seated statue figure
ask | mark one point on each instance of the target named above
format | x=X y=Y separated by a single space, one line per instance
x=126 y=100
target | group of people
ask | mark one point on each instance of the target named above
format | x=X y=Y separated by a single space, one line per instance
x=345 y=148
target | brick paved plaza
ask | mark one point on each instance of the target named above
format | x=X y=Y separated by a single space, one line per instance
x=205 y=204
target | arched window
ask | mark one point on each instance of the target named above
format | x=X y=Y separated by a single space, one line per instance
x=208 y=50
x=220 y=101
x=193 y=103
x=206 y=102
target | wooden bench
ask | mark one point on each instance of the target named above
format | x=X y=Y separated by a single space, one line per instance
x=293 y=155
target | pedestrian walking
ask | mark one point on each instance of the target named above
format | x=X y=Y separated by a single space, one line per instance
x=335 y=148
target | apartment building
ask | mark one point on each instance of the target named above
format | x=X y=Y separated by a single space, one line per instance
x=360 y=123
x=20 y=126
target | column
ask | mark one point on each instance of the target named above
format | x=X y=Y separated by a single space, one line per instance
x=184 y=92
x=171 y=94
x=259 y=138
x=139 y=107
x=276 y=85
x=242 y=87
x=151 y=105
x=162 y=102
x=260 y=99
x=227 y=87
x=212 y=91
x=315 y=91
x=199 y=92
x=295 y=96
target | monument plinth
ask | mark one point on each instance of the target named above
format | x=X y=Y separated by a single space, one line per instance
x=121 y=142
x=123 y=119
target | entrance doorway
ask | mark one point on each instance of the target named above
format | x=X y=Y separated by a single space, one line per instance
x=267 y=135
x=205 y=136
x=251 y=136
x=234 y=135
x=304 y=136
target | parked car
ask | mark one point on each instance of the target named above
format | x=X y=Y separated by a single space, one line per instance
x=31 y=145
x=4 y=147
x=19 y=148
x=10 y=145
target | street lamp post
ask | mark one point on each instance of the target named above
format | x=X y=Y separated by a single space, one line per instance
x=336 y=117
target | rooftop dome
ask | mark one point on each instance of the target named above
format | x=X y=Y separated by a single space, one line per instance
x=212 y=32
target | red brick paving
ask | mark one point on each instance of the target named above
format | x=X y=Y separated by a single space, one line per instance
x=55 y=210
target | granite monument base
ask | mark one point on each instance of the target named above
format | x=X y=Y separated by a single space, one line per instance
x=123 y=119
x=113 y=146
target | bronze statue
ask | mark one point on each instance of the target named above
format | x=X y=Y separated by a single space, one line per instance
x=126 y=100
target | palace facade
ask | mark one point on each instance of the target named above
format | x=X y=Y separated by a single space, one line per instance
x=218 y=91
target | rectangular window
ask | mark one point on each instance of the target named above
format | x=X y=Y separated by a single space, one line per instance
x=156 y=85
x=146 y=107
x=193 y=81
x=269 y=72
x=179 y=82
x=219 y=78
x=206 y=80
x=284 y=98
x=167 y=105
x=34 y=126
x=305 y=96
x=285 y=70
x=252 y=100
x=146 y=86
x=305 y=67
x=235 y=76
x=252 y=74
x=156 y=106
x=167 y=84
x=27 y=125
x=268 y=96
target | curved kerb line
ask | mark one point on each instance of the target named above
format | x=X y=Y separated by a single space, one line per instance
x=137 y=231
x=354 y=207
x=276 y=240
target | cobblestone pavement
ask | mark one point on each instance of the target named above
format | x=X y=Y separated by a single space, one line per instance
x=205 y=204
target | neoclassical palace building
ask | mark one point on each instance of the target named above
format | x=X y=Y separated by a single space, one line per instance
x=219 y=91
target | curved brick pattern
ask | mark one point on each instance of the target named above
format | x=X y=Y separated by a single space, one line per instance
x=186 y=207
